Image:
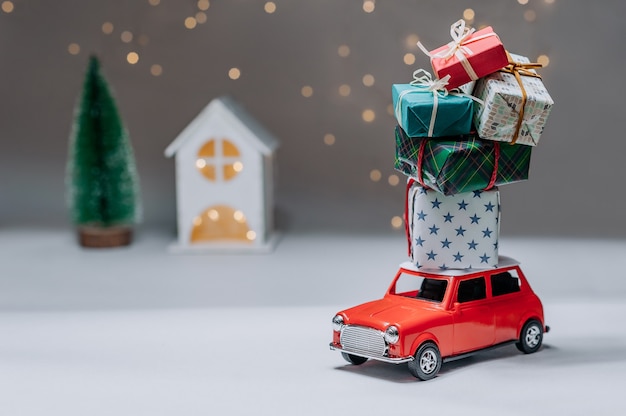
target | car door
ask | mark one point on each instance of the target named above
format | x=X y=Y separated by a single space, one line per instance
x=474 y=320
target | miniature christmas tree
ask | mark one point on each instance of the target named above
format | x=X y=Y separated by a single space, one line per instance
x=102 y=180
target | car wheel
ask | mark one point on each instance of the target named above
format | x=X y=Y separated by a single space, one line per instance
x=427 y=362
x=531 y=337
x=353 y=359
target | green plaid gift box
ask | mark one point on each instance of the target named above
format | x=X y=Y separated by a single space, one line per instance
x=462 y=163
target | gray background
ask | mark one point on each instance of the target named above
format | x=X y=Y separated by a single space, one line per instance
x=577 y=171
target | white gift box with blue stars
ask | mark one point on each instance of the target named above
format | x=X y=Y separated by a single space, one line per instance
x=453 y=232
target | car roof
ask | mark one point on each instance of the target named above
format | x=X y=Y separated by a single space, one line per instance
x=503 y=262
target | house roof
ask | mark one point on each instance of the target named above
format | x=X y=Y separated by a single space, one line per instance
x=226 y=107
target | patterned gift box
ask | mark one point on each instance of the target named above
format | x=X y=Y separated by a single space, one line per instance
x=460 y=164
x=452 y=232
x=469 y=56
x=515 y=107
x=424 y=113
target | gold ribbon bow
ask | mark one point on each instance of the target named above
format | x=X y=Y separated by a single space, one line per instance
x=519 y=69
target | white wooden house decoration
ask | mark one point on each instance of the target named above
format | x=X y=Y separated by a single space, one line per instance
x=224 y=181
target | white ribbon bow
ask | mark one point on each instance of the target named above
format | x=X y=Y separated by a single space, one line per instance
x=460 y=37
x=423 y=80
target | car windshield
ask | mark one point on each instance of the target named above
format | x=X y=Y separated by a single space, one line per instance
x=421 y=287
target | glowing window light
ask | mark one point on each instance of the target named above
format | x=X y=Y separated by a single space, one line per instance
x=107 y=28
x=201 y=17
x=369 y=6
x=368 y=115
x=468 y=14
x=306 y=91
x=543 y=60
x=329 y=139
x=239 y=217
x=411 y=40
x=126 y=36
x=530 y=15
x=7 y=6
x=234 y=73
x=213 y=215
x=270 y=7
x=251 y=235
x=203 y=5
x=73 y=48
x=393 y=180
x=368 y=80
x=344 y=90
x=409 y=58
x=190 y=22
x=375 y=175
x=396 y=222
x=132 y=58
x=343 y=51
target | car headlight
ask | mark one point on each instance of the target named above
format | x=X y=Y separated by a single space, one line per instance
x=392 y=335
x=337 y=323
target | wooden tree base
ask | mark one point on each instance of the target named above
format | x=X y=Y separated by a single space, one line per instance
x=103 y=237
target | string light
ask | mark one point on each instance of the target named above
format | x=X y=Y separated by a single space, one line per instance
x=468 y=14
x=368 y=80
x=409 y=58
x=237 y=166
x=393 y=180
x=549 y=1
x=390 y=109
x=251 y=235
x=522 y=2
x=369 y=6
x=132 y=58
x=375 y=175
x=270 y=7
x=7 y=6
x=203 y=5
x=143 y=40
x=107 y=28
x=411 y=40
x=306 y=91
x=543 y=60
x=156 y=70
x=344 y=90
x=530 y=15
x=234 y=73
x=239 y=217
x=329 y=139
x=201 y=17
x=396 y=222
x=73 y=48
x=154 y=2
x=190 y=22
x=213 y=215
x=126 y=36
x=343 y=51
x=368 y=115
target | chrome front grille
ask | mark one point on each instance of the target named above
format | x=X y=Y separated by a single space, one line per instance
x=360 y=339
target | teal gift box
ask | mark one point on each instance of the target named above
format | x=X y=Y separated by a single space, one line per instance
x=425 y=113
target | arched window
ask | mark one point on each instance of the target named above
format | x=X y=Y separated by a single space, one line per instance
x=219 y=160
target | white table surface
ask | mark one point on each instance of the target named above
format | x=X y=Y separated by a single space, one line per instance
x=138 y=331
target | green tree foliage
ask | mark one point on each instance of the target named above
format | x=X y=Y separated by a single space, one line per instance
x=102 y=180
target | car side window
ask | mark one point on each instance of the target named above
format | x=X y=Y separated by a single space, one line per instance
x=504 y=283
x=472 y=289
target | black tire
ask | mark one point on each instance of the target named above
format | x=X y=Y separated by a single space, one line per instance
x=353 y=359
x=427 y=362
x=531 y=337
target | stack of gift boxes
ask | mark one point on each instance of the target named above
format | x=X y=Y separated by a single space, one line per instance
x=461 y=134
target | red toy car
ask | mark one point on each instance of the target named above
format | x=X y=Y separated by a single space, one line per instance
x=427 y=317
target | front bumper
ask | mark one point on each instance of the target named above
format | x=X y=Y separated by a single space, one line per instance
x=335 y=347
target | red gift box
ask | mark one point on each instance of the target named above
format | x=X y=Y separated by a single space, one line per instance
x=469 y=56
